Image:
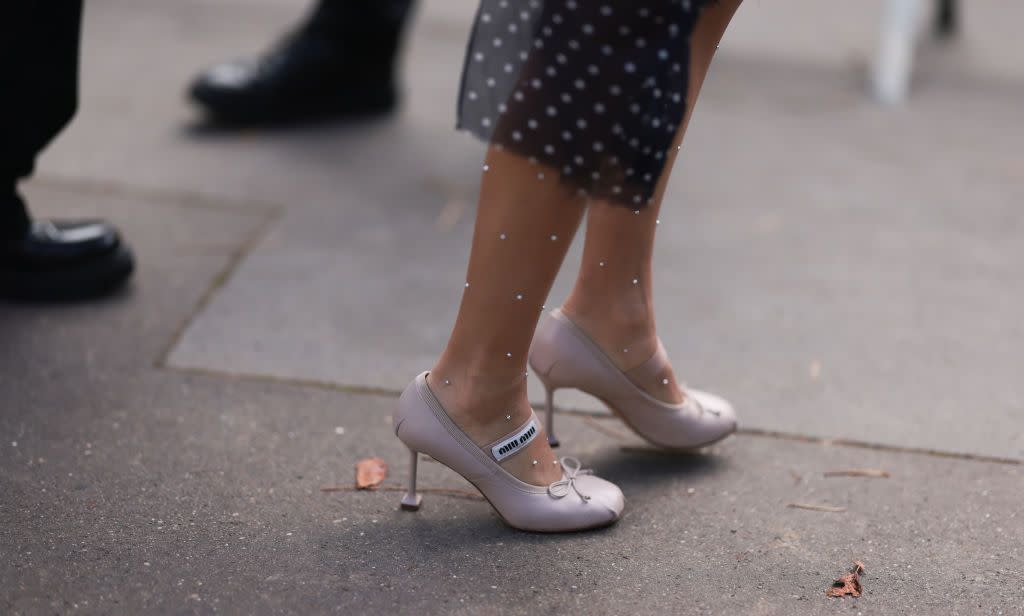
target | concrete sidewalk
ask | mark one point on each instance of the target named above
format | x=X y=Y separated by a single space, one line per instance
x=850 y=275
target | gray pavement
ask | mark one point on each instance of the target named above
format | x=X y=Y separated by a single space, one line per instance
x=849 y=275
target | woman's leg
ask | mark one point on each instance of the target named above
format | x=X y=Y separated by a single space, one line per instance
x=612 y=297
x=525 y=223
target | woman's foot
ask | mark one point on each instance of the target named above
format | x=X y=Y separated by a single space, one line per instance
x=488 y=414
x=564 y=356
x=575 y=500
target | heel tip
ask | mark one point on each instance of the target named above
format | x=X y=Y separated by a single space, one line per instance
x=411 y=503
x=553 y=442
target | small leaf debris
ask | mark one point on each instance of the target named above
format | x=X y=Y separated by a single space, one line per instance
x=859 y=472
x=812 y=507
x=848 y=583
x=370 y=472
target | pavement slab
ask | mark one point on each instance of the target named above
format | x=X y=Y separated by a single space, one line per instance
x=820 y=257
x=206 y=497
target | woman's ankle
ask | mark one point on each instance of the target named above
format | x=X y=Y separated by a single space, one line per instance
x=625 y=330
x=629 y=339
x=482 y=405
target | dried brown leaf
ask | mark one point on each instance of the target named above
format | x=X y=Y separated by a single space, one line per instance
x=370 y=472
x=859 y=472
x=812 y=507
x=847 y=584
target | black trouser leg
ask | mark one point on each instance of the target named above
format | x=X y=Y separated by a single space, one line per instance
x=946 y=18
x=38 y=90
x=371 y=29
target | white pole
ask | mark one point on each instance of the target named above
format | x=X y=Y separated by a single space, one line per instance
x=901 y=21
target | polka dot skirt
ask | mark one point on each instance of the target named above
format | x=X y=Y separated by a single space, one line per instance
x=593 y=89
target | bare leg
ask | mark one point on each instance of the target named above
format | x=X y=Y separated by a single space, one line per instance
x=612 y=298
x=525 y=223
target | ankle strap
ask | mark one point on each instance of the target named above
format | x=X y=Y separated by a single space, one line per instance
x=513 y=443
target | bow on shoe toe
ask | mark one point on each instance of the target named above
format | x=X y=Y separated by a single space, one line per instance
x=572 y=468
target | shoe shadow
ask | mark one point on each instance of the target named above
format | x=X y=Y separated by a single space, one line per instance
x=641 y=469
x=212 y=127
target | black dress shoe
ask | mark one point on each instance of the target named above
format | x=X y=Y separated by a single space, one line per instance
x=63 y=261
x=309 y=75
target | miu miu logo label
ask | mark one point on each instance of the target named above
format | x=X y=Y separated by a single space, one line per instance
x=514 y=443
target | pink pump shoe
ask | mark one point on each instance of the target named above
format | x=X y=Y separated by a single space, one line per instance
x=578 y=501
x=563 y=356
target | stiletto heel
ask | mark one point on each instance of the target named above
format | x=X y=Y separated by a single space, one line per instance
x=411 y=501
x=549 y=407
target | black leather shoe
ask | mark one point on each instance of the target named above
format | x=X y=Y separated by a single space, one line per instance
x=63 y=261
x=310 y=75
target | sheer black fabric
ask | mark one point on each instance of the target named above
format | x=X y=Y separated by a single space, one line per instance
x=592 y=90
